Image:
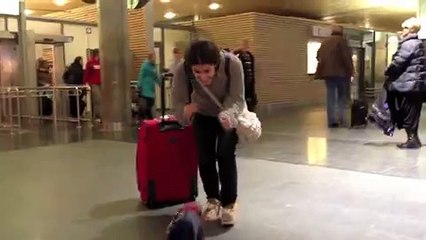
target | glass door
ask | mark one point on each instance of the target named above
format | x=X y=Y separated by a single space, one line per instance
x=358 y=83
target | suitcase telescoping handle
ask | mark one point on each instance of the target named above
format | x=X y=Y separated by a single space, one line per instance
x=166 y=124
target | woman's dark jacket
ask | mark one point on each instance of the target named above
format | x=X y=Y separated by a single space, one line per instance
x=407 y=72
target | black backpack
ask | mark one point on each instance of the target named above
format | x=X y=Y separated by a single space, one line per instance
x=247 y=61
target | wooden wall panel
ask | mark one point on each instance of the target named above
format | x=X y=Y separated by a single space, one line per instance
x=280 y=47
x=87 y=14
x=137 y=39
x=137 y=30
x=229 y=31
x=281 y=52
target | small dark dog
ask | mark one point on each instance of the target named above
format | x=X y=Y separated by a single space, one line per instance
x=187 y=224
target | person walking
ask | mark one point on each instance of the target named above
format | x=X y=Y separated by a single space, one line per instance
x=148 y=77
x=335 y=66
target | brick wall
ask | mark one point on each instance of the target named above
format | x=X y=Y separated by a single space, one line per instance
x=87 y=13
x=280 y=47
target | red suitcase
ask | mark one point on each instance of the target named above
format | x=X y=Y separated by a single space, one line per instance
x=166 y=162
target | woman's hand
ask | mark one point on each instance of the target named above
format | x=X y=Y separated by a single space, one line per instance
x=189 y=110
x=226 y=122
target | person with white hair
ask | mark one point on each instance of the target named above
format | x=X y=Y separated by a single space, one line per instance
x=406 y=83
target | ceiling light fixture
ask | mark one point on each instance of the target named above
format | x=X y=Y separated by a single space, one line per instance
x=214 y=6
x=170 y=15
x=60 y=2
x=165 y=1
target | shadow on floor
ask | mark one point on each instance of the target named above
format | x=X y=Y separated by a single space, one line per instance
x=117 y=209
x=381 y=144
x=214 y=229
x=137 y=228
x=149 y=228
x=384 y=144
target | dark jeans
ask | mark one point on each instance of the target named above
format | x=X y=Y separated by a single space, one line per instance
x=405 y=109
x=338 y=90
x=217 y=145
x=145 y=108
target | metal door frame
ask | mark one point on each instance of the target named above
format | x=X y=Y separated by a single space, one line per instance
x=361 y=70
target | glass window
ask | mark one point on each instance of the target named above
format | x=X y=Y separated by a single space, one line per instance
x=313 y=47
x=10 y=7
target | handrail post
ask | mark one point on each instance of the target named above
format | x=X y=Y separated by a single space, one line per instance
x=77 y=98
x=18 y=107
x=55 y=112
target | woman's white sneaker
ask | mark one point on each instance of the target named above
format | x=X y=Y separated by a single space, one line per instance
x=228 y=215
x=211 y=210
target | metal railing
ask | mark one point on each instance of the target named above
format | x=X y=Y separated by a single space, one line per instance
x=45 y=103
x=9 y=106
x=372 y=93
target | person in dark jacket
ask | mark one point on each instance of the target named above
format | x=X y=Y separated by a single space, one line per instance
x=75 y=73
x=247 y=59
x=44 y=77
x=336 y=67
x=75 y=76
x=406 y=83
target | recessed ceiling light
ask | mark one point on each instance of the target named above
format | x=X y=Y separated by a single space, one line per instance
x=165 y=1
x=60 y=2
x=170 y=15
x=214 y=6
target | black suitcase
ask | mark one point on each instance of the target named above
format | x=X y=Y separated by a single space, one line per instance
x=359 y=112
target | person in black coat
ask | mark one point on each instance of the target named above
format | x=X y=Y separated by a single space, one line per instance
x=247 y=59
x=74 y=75
x=406 y=83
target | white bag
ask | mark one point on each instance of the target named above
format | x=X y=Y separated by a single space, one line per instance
x=249 y=127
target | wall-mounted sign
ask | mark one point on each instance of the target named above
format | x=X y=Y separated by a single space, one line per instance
x=321 y=31
x=9 y=7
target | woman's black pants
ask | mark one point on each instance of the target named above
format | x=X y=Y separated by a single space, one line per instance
x=216 y=145
x=405 y=109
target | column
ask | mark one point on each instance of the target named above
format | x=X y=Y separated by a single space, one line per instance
x=421 y=14
x=115 y=70
x=149 y=24
x=22 y=33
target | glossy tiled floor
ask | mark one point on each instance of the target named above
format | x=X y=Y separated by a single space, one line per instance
x=86 y=190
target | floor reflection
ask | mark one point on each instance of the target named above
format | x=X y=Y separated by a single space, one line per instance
x=298 y=136
x=317 y=151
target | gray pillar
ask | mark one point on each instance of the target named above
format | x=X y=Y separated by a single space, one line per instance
x=114 y=54
x=22 y=33
x=27 y=62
